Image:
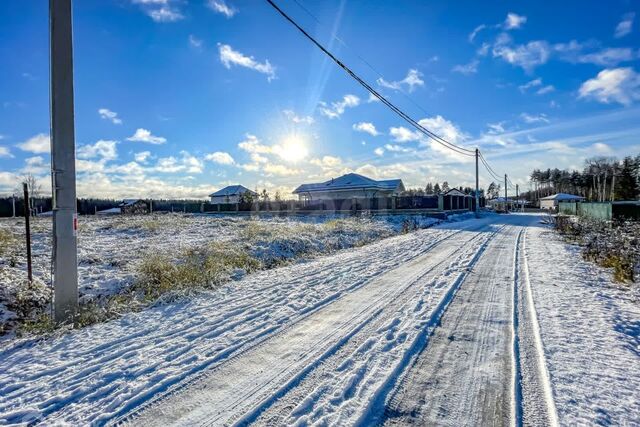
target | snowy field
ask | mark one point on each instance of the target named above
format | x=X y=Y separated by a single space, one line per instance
x=478 y=322
x=113 y=250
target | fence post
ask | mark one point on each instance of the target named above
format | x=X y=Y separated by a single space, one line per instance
x=394 y=203
x=27 y=229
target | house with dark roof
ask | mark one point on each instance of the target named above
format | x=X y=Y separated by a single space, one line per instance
x=351 y=185
x=230 y=194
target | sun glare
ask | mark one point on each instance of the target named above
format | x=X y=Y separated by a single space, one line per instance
x=293 y=149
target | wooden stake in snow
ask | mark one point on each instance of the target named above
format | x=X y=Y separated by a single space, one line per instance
x=27 y=229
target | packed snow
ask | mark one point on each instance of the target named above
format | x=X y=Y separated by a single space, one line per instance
x=492 y=320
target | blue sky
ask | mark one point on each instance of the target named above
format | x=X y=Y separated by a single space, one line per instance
x=178 y=98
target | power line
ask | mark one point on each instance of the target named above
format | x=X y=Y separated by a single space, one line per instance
x=367 y=63
x=398 y=111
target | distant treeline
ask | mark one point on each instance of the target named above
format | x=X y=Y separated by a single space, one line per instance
x=90 y=206
x=602 y=179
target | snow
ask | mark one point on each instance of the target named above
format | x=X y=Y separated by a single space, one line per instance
x=419 y=326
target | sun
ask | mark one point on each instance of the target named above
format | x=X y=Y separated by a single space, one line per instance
x=293 y=148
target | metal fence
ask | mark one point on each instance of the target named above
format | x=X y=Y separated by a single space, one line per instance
x=605 y=211
x=431 y=202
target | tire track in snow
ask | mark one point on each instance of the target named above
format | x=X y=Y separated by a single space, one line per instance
x=277 y=371
x=170 y=355
x=536 y=406
x=461 y=376
x=368 y=366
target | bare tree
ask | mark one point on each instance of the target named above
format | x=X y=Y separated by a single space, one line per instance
x=34 y=187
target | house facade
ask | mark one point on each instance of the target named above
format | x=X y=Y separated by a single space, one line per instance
x=551 y=202
x=230 y=194
x=349 y=186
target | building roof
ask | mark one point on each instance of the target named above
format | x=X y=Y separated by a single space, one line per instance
x=562 y=196
x=351 y=181
x=130 y=202
x=232 y=190
x=455 y=192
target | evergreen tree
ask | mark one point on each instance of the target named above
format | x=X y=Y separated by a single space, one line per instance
x=429 y=188
x=627 y=187
x=436 y=188
x=445 y=187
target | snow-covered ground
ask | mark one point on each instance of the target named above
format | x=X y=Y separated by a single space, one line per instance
x=111 y=248
x=482 y=321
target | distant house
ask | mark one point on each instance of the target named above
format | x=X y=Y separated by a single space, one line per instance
x=551 y=202
x=230 y=194
x=349 y=186
x=134 y=206
x=499 y=204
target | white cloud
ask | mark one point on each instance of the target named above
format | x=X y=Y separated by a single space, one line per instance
x=625 y=26
x=527 y=56
x=107 y=114
x=402 y=134
x=514 y=21
x=608 y=57
x=467 y=69
x=338 y=108
x=142 y=156
x=530 y=118
x=367 y=128
x=5 y=152
x=327 y=162
x=475 y=32
x=601 y=148
x=379 y=151
x=413 y=79
x=444 y=129
x=252 y=145
x=291 y=115
x=220 y=158
x=160 y=10
x=230 y=57
x=546 y=89
x=484 y=49
x=372 y=98
x=36 y=144
x=532 y=83
x=186 y=163
x=35 y=165
x=621 y=85
x=495 y=128
x=276 y=169
x=143 y=135
x=221 y=7
x=195 y=42
x=395 y=148
x=103 y=149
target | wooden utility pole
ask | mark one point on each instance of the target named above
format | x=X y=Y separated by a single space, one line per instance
x=13 y=204
x=477 y=186
x=517 y=199
x=27 y=230
x=63 y=169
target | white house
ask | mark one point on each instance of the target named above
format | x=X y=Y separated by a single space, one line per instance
x=349 y=186
x=230 y=194
x=551 y=202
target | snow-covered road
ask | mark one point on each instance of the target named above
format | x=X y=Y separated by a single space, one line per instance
x=490 y=321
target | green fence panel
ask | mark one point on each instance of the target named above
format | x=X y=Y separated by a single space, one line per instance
x=568 y=208
x=601 y=211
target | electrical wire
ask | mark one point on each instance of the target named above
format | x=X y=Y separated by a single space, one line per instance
x=458 y=149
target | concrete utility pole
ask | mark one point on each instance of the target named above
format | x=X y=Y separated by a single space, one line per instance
x=517 y=199
x=63 y=162
x=477 y=186
x=506 y=208
x=13 y=204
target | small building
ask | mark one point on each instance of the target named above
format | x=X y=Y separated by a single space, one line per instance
x=551 y=202
x=349 y=186
x=134 y=206
x=230 y=194
x=511 y=204
x=455 y=199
